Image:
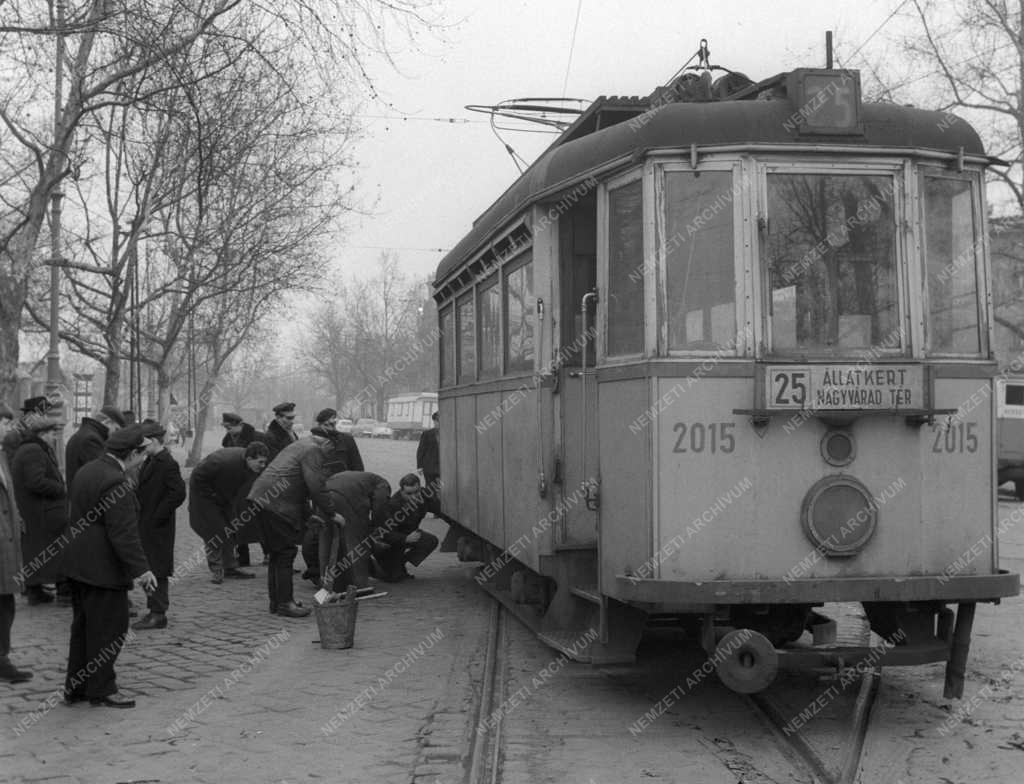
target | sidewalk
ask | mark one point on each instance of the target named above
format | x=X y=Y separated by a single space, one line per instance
x=231 y=693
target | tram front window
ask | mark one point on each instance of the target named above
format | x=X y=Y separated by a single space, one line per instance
x=832 y=263
x=699 y=264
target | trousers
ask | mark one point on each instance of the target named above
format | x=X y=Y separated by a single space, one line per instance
x=99 y=624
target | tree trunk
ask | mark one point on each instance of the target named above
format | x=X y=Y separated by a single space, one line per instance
x=12 y=299
x=163 y=399
x=195 y=454
x=112 y=370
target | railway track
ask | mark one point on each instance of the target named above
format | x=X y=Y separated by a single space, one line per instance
x=485 y=754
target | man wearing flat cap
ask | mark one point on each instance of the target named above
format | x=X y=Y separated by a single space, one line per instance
x=41 y=495
x=344 y=455
x=161 y=491
x=87 y=442
x=281 y=431
x=103 y=556
x=237 y=432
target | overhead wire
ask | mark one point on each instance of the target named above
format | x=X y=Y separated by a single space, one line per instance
x=885 y=21
x=572 y=47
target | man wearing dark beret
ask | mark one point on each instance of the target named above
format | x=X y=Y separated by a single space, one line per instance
x=281 y=431
x=103 y=556
x=161 y=491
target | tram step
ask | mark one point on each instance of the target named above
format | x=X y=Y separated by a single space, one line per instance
x=587 y=592
x=574 y=643
x=564 y=546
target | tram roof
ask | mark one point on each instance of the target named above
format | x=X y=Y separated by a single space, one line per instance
x=679 y=125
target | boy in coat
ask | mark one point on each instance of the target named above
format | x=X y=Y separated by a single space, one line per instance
x=161 y=491
x=103 y=556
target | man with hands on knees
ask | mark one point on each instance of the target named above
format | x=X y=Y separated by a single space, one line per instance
x=103 y=556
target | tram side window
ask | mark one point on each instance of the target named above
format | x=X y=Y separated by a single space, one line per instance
x=832 y=263
x=490 y=329
x=447 y=340
x=699 y=268
x=519 y=305
x=625 y=307
x=467 y=339
x=950 y=266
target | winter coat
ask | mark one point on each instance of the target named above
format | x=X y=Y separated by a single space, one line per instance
x=428 y=453
x=10 y=533
x=87 y=443
x=216 y=496
x=244 y=438
x=277 y=438
x=42 y=501
x=161 y=491
x=293 y=479
x=103 y=547
x=403 y=516
x=344 y=454
x=358 y=493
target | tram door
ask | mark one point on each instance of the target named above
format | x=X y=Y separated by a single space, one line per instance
x=576 y=399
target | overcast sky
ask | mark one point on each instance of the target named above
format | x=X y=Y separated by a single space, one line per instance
x=431 y=179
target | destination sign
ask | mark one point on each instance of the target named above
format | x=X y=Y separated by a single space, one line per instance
x=844 y=387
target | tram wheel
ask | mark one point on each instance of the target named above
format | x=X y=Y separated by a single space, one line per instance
x=746 y=661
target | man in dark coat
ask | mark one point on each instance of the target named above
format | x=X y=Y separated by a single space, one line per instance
x=41 y=495
x=10 y=558
x=398 y=539
x=104 y=555
x=217 y=490
x=281 y=431
x=359 y=496
x=87 y=442
x=344 y=455
x=161 y=491
x=237 y=432
x=282 y=493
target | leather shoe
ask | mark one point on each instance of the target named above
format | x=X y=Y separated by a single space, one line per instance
x=217 y=578
x=292 y=610
x=71 y=699
x=11 y=674
x=114 y=700
x=238 y=574
x=151 y=621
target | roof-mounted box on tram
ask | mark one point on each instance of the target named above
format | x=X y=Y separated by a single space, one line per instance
x=715 y=357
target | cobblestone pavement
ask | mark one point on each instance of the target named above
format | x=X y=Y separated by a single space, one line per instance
x=230 y=693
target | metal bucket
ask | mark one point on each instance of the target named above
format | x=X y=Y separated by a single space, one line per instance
x=337 y=622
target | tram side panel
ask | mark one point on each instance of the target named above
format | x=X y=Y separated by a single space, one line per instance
x=465 y=469
x=487 y=429
x=626 y=477
x=527 y=528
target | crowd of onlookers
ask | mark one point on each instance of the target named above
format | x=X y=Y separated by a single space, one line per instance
x=83 y=536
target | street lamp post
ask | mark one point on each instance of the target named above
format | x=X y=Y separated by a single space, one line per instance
x=53 y=374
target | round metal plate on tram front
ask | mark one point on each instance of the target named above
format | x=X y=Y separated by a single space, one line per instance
x=838 y=447
x=839 y=515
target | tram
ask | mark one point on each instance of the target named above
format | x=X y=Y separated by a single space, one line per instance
x=723 y=354
x=410 y=414
x=1010 y=423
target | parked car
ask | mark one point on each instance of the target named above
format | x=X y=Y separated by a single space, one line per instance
x=364 y=427
x=382 y=431
x=345 y=425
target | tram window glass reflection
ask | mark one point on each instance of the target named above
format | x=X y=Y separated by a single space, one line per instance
x=519 y=318
x=950 y=266
x=490 y=328
x=1014 y=395
x=447 y=340
x=700 y=276
x=832 y=263
x=625 y=307
x=467 y=339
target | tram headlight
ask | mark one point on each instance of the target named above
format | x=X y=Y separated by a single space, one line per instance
x=838 y=447
x=838 y=515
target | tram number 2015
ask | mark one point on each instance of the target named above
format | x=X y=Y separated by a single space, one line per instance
x=698 y=437
x=955 y=439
